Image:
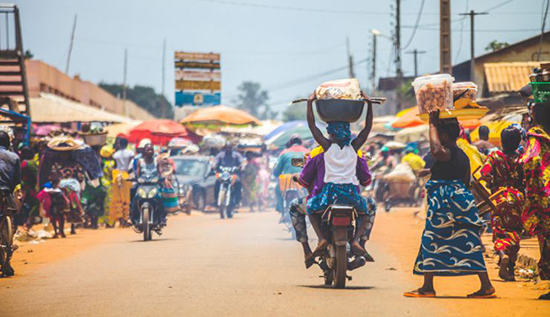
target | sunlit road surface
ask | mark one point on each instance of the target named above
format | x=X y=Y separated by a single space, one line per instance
x=204 y=266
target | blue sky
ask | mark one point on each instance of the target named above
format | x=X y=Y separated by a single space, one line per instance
x=287 y=46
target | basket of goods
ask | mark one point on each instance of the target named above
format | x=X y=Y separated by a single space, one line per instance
x=339 y=100
x=434 y=92
x=93 y=136
x=462 y=102
x=540 y=83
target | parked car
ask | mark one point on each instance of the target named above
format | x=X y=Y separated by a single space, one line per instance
x=196 y=179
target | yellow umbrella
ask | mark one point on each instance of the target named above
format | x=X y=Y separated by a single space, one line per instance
x=220 y=115
x=495 y=128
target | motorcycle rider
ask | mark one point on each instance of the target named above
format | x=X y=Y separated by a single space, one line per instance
x=339 y=163
x=147 y=167
x=10 y=177
x=228 y=158
x=284 y=165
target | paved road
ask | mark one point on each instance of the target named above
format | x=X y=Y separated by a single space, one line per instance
x=203 y=266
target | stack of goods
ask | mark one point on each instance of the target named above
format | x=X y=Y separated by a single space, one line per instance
x=540 y=83
x=453 y=100
x=339 y=100
x=434 y=92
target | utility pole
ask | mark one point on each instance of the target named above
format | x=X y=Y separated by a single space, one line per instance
x=375 y=34
x=445 y=62
x=71 y=45
x=472 y=15
x=415 y=53
x=163 y=64
x=398 y=69
x=124 y=82
x=350 y=60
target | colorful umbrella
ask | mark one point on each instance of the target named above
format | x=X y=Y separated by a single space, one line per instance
x=159 y=131
x=284 y=127
x=408 y=118
x=220 y=115
x=280 y=140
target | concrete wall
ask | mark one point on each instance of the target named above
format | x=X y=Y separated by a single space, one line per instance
x=45 y=78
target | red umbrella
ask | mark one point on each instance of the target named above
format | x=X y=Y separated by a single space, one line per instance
x=159 y=131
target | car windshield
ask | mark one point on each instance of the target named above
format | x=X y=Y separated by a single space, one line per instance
x=189 y=167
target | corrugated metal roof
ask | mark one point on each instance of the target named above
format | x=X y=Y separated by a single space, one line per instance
x=508 y=77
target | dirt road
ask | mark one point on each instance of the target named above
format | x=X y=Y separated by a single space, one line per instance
x=203 y=266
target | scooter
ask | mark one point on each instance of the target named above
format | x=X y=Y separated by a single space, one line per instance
x=149 y=205
x=227 y=201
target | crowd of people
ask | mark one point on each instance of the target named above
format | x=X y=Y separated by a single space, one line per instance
x=90 y=186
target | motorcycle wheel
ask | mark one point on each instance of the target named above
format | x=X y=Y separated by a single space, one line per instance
x=6 y=240
x=341 y=266
x=329 y=278
x=221 y=204
x=146 y=225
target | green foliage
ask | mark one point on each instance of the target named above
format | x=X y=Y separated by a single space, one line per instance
x=496 y=45
x=145 y=97
x=28 y=55
x=406 y=91
x=253 y=99
x=295 y=112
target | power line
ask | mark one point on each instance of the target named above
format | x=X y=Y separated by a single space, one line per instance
x=498 y=5
x=415 y=25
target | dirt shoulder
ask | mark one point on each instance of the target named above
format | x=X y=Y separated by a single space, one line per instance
x=400 y=232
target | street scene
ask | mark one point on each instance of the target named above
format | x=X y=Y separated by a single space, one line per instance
x=275 y=158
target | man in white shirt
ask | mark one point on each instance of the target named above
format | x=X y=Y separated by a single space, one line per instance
x=123 y=156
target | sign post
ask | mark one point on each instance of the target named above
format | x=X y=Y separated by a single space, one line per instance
x=198 y=79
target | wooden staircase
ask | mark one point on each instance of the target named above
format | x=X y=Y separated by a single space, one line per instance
x=13 y=76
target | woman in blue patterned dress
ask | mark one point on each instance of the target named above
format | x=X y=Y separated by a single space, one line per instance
x=451 y=243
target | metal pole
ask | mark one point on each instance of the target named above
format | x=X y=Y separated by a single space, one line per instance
x=415 y=52
x=398 y=70
x=71 y=45
x=125 y=109
x=163 y=64
x=373 y=62
x=472 y=15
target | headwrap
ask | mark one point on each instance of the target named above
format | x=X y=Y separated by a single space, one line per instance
x=340 y=132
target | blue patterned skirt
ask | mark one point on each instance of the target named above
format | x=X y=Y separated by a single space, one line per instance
x=346 y=194
x=451 y=243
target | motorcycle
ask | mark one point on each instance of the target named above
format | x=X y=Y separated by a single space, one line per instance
x=227 y=200
x=7 y=231
x=148 y=203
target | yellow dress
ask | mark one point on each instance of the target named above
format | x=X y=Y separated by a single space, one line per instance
x=120 y=200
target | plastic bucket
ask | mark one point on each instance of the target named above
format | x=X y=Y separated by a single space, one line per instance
x=434 y=92
x=541 y=91
x=339 y=109
x=464 y=90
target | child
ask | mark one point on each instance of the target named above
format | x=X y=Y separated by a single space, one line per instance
x=55 y=203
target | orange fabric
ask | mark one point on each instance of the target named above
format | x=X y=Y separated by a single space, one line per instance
x=223 y=114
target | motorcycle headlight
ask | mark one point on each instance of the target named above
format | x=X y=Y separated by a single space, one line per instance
x=226 y=176
x=141 y=180
x=142 y=193
x=152 y=193
x=155 y=180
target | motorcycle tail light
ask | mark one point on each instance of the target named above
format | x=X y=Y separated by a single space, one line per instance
x=217 y=175
x=341 y=221
x=234 y=177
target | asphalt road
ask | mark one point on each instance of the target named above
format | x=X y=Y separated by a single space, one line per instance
x=204 y=266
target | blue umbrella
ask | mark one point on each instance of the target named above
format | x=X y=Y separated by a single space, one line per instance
x=284 y=127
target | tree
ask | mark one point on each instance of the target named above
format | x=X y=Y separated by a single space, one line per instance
x=28 y=55
x=253 y=99
x=496 y=45
x=145 y=97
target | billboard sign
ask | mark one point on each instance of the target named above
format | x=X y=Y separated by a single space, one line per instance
x=198 y=79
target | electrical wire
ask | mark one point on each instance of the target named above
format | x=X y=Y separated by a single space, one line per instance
x=461 y=33
x=418 y=17
x=498 y=5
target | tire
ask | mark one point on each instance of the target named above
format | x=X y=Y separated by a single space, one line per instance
x=341 y=266
x=199 y=200
x=387 y=205
x=146 y=225
x=6 y=240
x=328 y=278
x=221 y=203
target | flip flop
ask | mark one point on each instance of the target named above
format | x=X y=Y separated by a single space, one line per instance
x=481 y=296
x=417 y=294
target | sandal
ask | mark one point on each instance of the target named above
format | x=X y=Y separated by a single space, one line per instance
x=481 y=294
x=417 y=293
x=309 y=262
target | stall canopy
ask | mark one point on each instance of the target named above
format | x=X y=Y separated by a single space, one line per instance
x=124 y=128
x=220 y=115
x=159 y=131
x=53 y=109
x=281 y=139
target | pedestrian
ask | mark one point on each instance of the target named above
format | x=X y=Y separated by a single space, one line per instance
x=450 y=244
x=502 y=170
x=536 y=165
x=120 y=200
x=54 y=202
x=29 y=181
x=483 y=144
x=250 y=180
x=108 y=164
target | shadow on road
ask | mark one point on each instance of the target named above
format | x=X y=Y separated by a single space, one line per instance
x=154 y=240
x=348 y=288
